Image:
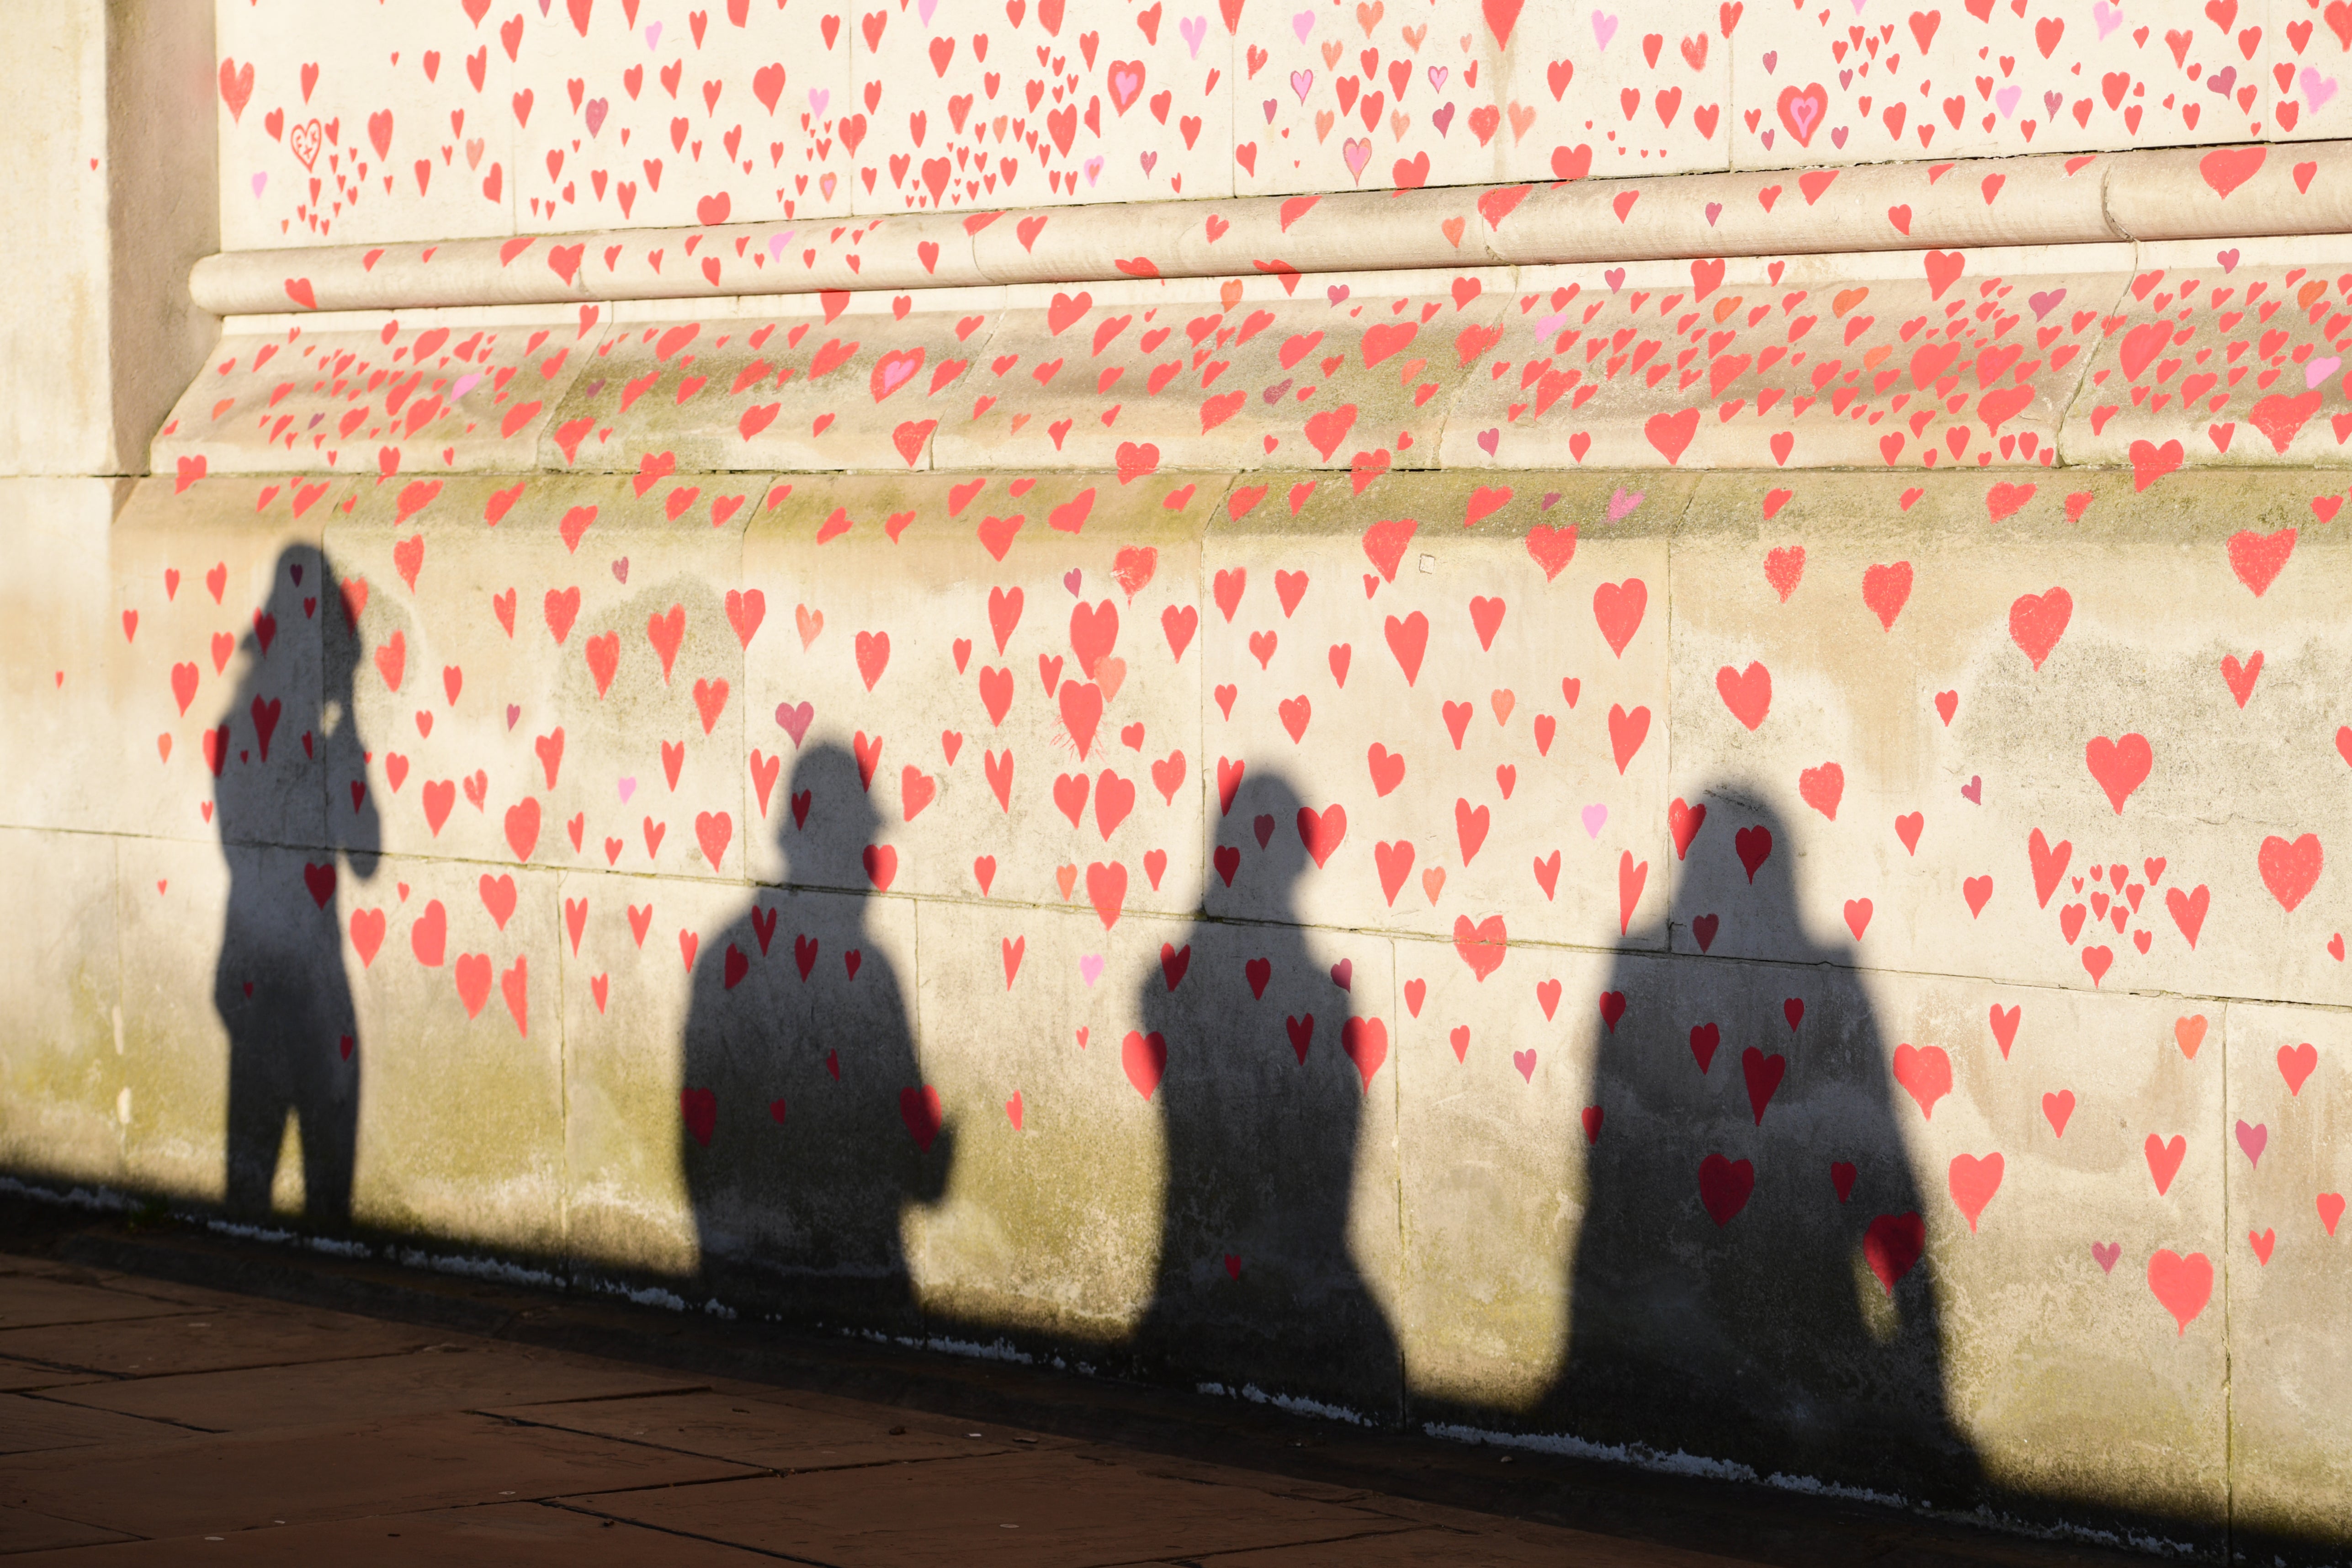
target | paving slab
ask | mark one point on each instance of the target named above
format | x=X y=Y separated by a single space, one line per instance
x=221 y=1485
x=209 y=1342
x=15 y=1376
x=766 y=1432
x=1485 y=1549
x=1053 y=1511
x=449 y=1377
x=25 y=1530
x=43 y=1425
x=552 y=1435
x=513 y=1535
x=30 y=1301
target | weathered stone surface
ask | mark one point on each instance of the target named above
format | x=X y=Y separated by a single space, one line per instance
x=1918 y=666
x=828 y=1059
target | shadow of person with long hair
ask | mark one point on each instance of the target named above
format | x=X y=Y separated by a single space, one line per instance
x=1261 y=1101
x=806 y=1128
x=288 y=742
x=1748 y=1282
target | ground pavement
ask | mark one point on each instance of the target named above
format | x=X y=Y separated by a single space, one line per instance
x=167 y=1395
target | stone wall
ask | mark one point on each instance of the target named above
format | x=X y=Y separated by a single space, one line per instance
x=1711 y=852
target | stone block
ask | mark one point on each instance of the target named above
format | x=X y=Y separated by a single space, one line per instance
x=559 y=691
x=457 y=1065
x=2281 y=1262
x=69 y=659
x=1087 y=592
x=426 y=394
x=232 y=605
x=780 y=382
x=1477 y=708
x=2077 y=721
x=62 y=1066
x=627 y=992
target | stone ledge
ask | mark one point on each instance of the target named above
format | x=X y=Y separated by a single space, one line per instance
x=1986 y=202
x=2149 y=356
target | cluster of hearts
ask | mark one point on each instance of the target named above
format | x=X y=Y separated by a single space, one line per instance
x=1794 y=376
x=593 y=116
x=2037 y=623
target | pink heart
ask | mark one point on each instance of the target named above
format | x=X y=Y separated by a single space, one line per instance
x=2253 y=1140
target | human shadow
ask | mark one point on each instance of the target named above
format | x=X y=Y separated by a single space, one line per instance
x=1261 y=1106
x=285 y=741
x=1748 y=1282
x=806 y=1130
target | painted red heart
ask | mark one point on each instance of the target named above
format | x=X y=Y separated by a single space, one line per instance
x=1321 y=832
x=1801 y=111
x=1973 y=1182
x=1925 y=1073
x=2036 y=622
x=2258 y=558
x=2289 y=870
x=1144 y=1058
x=920 y=1108
x=1892 y=1244
x=2120 y=766
x=2183 y=1284
x=1481 y=945
x=700 y=1108
x=1365 y=1041
x=1671 y=433
x=1747 y=693
x=1724 y=1187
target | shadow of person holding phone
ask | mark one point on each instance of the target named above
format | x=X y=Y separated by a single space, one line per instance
x=290 y=736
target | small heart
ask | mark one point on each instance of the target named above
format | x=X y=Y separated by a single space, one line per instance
x=1974 y=790
x=514 y=714
x=1072 y=579
x=2106 y=1252
x=621 y=570
x=629 y=788
x=1622 y=502
x=1090 y=968
x=1594 y=816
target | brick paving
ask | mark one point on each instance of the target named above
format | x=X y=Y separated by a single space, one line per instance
x=168 y=1397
